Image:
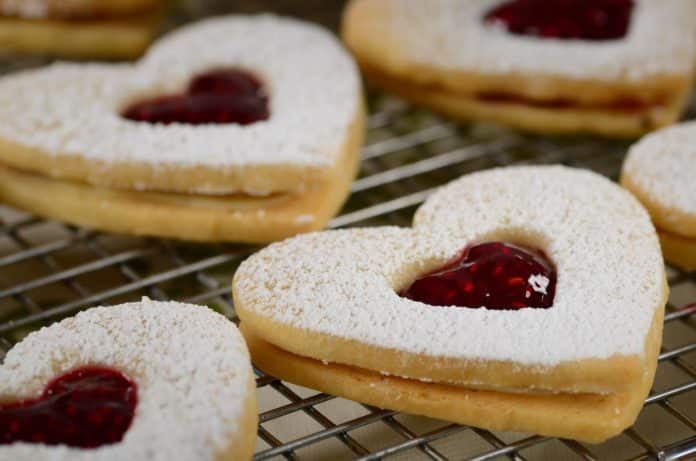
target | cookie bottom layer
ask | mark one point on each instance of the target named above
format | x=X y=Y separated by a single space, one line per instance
x=678 y=250
x=236 y=218
x=586 y=417
x=538 y=118
x=106 y=39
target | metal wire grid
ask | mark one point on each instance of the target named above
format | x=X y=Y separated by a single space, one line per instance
x=49 y=270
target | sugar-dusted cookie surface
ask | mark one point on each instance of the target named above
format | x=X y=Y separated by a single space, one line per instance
x=66 y=121
x=659 y=170
x=451 y=56
x=189 y=372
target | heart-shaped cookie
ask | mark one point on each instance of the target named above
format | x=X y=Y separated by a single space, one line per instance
x=242 y=128
x=340 y=296
x=613 y=67
x=148 y=380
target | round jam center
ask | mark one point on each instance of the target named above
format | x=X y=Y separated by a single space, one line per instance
x=495 y=275
x=86 y=408
x=564 y=19
x=217 y=97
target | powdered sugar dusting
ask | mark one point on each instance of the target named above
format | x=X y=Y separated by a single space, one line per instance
x=605 y=249
x=451 y=34
x=314 y=95
x=539 y=283
x=663 y=166
x=190 y=364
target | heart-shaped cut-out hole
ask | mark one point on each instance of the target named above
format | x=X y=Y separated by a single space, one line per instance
x=87 y=407
x=216 y=97
x=565 y=19
x=495 y=275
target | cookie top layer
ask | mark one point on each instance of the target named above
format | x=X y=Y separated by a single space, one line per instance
x=73 y=8
x=660 y=170
x=190 y=364
x=69 y=114
x=344 y=283
x=452 y=35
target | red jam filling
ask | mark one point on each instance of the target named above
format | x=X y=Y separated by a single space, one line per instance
x=621 y=105
x=86 y=408
x=216 y=97
x=564 y=19
x=495 y=275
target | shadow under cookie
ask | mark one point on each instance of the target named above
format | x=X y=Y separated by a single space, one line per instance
x=590 y=418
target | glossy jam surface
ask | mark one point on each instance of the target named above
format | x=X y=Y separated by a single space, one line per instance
x=495 y=275
x=564 y=19
x=216 y=97
x=86 y=408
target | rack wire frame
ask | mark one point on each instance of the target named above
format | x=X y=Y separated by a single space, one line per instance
x=50 y=270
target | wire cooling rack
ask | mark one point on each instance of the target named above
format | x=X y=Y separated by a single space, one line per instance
x=49 y=270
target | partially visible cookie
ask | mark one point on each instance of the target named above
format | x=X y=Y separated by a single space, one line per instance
x=148 y=380
x=113 y=29
x=660 y=170
x=547 y=66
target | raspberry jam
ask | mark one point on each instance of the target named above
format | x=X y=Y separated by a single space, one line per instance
x=564 y=19
x=625 y=105
x=217 y=97
x=86 y=408
x=495 y=275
